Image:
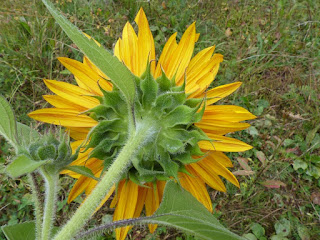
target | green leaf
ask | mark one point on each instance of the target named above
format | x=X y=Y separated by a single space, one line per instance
x=257 y=230
x=25 y=231
x=23 y=165
x=181 y=210
x=26 y=134
x=119 y=74
x=249 y=236
x=8 y=127
x=283 y=227
x=82 y=170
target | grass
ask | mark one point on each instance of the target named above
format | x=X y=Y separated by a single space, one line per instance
x=270 y=46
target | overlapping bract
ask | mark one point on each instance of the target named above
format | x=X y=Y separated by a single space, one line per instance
x=176 y=61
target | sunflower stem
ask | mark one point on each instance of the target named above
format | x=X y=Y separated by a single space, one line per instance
x=140 y=136
x=37 y=203
x=51 y=179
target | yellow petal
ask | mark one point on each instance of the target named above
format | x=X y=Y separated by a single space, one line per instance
x=196 y=187
x=214 y=167
x=78 y=188
x=106 y=85
x=146 y=50
x=221 y=127
x=204 y=72
x=116 y=50
x=210 y=178
x=152 y=203
x=129 y=46
x=60 y=102
x=224 y=144
x=201 y=57
x=221 y=158
x=85 y=76
x=64 y=117
x=178 y=62
x=78 y=133
x=220 y=92
x=229 y=113
x=166 y=54
x=142 y=194
x=72 y=93
x=126 y=207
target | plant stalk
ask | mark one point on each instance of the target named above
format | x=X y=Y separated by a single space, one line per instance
x=112 y=176
x=51 y=180
x=37 y=203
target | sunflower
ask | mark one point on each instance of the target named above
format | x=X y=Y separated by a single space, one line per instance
x=77 y=108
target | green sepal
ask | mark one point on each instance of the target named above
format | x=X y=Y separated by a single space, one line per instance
x=180 y=88
x=180 y=115
x=149 y=89
x=185 y=158
x=172 y=145
x=23 y=164
x=193 y=102
x=168 y=101
x=170 y=167
x=198 y=115
x=164 y=82
x=82 y=170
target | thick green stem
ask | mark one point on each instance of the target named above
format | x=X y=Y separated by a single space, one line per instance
x=111 y=177
x=50 y=203
x=37 y=204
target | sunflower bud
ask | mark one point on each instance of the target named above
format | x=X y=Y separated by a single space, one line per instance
x=58 y=153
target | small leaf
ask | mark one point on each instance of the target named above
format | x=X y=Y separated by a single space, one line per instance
x=23 y=165
x=249 y=236
x=257 y=230
x=283 y=227
x=311 y=134
x=244 y=163
x=25 y=231
x=262 y=157
x=26 y=134
x=83 y=171
x=299 y=164
x=273 y=184
x=8 y=127
x=119 y=74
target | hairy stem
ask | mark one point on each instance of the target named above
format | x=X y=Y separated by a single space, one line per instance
x=37 y=203
x=113 y=175
x=50 y=202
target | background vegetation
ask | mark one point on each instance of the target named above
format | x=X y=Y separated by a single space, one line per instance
x=273 y=47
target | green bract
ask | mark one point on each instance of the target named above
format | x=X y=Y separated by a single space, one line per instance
x=171 y=141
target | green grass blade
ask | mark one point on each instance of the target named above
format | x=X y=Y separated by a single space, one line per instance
x=119 y=74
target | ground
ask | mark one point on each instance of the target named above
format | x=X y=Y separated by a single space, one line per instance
x=273 y=47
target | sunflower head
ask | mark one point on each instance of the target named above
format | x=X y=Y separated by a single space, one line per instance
x=172 y=139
